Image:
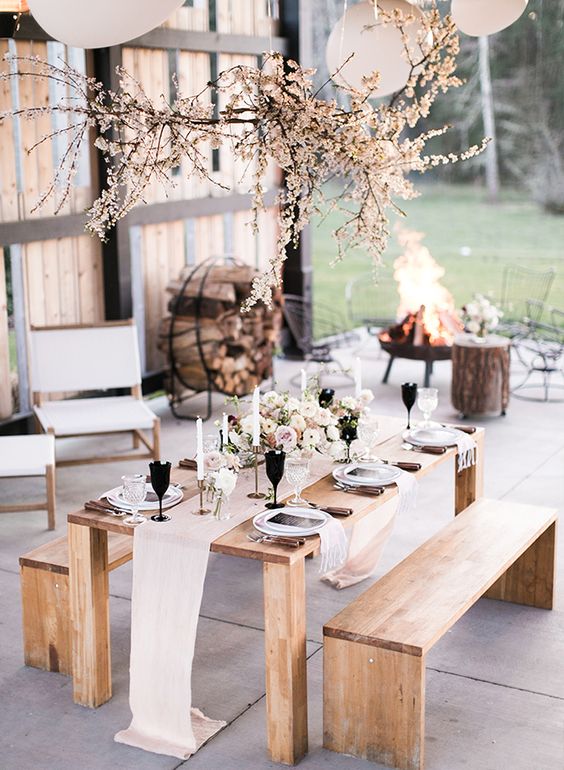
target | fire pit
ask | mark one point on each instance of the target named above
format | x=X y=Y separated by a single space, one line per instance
x=430 y=322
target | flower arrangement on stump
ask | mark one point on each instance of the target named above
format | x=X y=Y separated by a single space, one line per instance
x=480 y=316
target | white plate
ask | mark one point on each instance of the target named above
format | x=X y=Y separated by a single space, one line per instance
x=172 y=496
x=438 y=436
x=381 y=475
x=260 y=522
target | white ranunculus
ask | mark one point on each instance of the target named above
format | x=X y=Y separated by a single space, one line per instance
x=333 y=433
x=311 y=437
x=225 y=481
x=297 y=422
x=366 y=396
x=324 y=417
x=348 y=402
x=309 y=408
x=268 y=426
x=272 y=398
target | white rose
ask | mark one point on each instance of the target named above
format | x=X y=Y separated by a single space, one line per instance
x=324 y=417
x=297 y=422
x=366 y=396
x=272 y=398
x=293 y=404
x=213 y=460
x=311 y=437
x=337 y=450
x=247 y=424
x=333 y=433
x=348 y=402
x=225 y=481
x=308 y=408
x=473 y=327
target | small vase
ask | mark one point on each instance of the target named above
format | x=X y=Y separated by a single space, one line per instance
x=221 y=512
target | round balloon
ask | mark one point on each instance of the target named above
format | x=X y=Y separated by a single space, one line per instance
x=99 y=23
x=378 y=47
x=484 y=17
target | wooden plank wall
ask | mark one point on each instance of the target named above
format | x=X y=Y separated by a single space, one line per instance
x=164 y=247
x=63 y=278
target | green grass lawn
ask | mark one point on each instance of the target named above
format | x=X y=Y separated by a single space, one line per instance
x=514 y=231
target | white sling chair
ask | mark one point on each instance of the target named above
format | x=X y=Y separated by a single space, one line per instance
x=91 y=358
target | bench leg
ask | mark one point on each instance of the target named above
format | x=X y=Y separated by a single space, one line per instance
x=530 y=580
x=45 y=619
x=90 y=615
x=285 y=653
x=373 y=703
x=469 y=483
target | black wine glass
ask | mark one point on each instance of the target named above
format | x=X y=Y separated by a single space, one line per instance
x=409 y=397
x=274 y=463
x=348 y=434
x=326 y=397
x=160 y=480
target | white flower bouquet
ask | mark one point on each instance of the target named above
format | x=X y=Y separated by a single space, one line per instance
x=480 y=316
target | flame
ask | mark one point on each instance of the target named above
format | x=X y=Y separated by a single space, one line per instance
x=421 y=293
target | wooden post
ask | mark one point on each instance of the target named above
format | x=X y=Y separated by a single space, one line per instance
x=51 y=502
x=469 y=483
x=90 y=615
x=285 y=652
x=157 y=439
x=530 y=580
x=373 y=703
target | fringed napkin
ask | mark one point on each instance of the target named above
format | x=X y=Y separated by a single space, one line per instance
x=466 y=447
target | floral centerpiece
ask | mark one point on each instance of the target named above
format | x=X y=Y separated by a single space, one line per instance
x=300 y=425
x=480 y=316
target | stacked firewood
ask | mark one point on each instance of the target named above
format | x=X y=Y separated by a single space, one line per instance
x=213 y=344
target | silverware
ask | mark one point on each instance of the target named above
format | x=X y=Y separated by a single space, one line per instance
x=110 y=510
x=430 y=450
x=332 y=510
x=365 y=490
x=412 y=467
x=470 y=429
x=292 y=542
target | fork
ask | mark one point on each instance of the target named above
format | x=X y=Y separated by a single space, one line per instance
x=292 y=542
x=363 y=490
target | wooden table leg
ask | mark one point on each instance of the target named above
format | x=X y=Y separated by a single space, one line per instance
x=90 y=615
x=285 y=640
x=469 y=483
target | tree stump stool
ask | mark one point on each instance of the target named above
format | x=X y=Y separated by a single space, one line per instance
x=480 y=374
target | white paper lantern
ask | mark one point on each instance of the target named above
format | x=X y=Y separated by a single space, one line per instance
x=484 y=17
x=379 y=48
x=99 y=23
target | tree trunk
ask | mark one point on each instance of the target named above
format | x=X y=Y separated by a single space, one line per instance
x=488 y=117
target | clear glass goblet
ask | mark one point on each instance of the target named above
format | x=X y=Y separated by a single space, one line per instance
x=133 y=492
x=297 y=474
x=368 y=431
x=427 y=402
x=210 y=443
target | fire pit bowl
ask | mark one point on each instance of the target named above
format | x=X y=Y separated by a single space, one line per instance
x=427 y=353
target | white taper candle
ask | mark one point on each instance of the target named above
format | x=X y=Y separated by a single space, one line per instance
x=256 y=417
x=199 y=450
x=225 y=430
x=357 y=378
x=304 y=381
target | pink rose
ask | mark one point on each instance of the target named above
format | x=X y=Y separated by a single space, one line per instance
x=286 y=437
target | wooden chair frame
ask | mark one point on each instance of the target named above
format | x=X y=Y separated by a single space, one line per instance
x=48 y=504
x=138 y=436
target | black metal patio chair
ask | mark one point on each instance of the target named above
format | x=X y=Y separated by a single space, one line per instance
x=524 y=292
x=366 y=301
x=541 y=351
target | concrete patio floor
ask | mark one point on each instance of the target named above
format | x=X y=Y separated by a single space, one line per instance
x=495 y=682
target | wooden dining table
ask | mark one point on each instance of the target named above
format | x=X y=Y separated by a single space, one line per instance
x=284 y=592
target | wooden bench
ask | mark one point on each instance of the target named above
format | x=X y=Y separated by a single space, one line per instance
x=44 y=574
x=374 y=650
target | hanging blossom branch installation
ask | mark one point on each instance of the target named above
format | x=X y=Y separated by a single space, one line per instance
x=270 y=113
